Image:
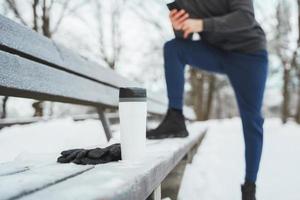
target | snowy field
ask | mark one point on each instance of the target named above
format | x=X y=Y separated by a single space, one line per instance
x=217 y=169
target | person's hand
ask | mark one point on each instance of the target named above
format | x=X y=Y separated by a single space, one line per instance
x=178 y=18
x=192 y=26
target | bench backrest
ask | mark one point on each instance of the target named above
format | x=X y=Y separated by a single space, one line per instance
x=33 y=66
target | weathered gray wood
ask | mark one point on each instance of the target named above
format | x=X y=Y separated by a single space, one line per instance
x=7 y=169
x=24 y=78
x=29 y=43
x=16 y=186
x=33 y=66
x=22 y=41
x=121 y=180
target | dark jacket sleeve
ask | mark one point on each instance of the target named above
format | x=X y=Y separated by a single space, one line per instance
x=241 y=17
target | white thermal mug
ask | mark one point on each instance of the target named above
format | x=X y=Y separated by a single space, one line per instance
x=133 y=117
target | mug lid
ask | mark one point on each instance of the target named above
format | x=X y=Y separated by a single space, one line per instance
x=132 y=92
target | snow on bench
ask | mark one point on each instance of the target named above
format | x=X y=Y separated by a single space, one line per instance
x=32 y=66
x=119 y=180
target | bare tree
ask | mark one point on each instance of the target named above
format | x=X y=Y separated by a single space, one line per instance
x=42 y=23
x=14 y=8
x=296 y=65
x=282 y=48
x=210 y=95
x=150 y=14
x=202 y=94
x=220 y=105
x=4 y=112
x=196 y=95
x=110 y=56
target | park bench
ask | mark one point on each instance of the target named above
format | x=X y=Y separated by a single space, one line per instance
x=33 y=66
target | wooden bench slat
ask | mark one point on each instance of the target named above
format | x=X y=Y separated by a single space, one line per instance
x=6 y=169
x=52 y=84
x=123 y=181
x=22 y=184
x=21 y=39
x=55 y=85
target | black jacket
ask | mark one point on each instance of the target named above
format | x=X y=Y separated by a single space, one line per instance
x=228 y=24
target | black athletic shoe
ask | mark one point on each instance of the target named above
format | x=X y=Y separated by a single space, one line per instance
x=248 y=191
x=173 y=126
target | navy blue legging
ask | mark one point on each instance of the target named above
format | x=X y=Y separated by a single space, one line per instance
x=247 y=74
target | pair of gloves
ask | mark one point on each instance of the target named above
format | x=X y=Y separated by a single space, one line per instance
x=91 y=156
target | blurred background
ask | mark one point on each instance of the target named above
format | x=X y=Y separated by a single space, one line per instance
x=128 y=36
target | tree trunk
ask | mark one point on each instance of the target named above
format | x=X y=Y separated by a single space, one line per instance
x=4 y=111
x=38 y=109
x=46 y=20
x=298 y=104
x=197 y=90
x=219 y=108
x=210 y=95
x=285 y=113
x=35 y=15
x=297 y=66
x=203 y=86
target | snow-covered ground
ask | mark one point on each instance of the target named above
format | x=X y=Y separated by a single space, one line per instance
x=217 y=169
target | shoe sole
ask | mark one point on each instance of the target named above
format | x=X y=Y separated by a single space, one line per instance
x=182 y=134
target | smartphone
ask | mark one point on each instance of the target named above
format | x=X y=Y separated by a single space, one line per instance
x=173 y=6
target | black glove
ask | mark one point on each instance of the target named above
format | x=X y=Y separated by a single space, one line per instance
x=91 y=156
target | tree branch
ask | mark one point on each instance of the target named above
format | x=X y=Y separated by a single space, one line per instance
x=13 y=6
x=61 y=17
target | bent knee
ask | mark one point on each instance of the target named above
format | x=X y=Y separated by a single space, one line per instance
x=172 y=45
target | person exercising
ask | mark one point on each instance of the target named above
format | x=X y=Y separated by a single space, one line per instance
x=232 y=43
